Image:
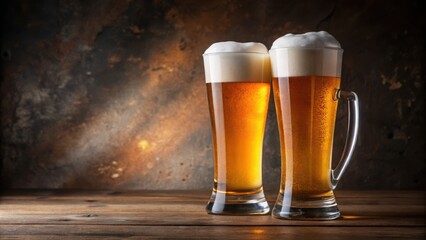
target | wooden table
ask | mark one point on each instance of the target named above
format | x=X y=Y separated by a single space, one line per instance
x=180 y=215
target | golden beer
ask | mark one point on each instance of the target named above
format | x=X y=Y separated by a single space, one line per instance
x=238 y=78
x=306 y=110
x=238 y=111
x=306 y=70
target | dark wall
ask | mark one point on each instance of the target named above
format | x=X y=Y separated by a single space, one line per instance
x=111 y=94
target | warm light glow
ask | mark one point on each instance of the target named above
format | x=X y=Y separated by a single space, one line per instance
x=136 y=130
x=143 y=144
x=258 y=231
x=351 y=217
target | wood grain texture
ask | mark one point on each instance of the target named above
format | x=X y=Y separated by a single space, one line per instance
x=181 y=215
x=209 y=232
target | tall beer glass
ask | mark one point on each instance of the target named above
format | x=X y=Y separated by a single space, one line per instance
x=238 y=79
x=306 y=86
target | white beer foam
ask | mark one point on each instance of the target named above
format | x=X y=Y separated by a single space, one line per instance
x=231 y=46
x=307 y=40
x=308 y=54
x=237 y=62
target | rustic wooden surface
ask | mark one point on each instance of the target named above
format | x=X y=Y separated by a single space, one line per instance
x=45 y=214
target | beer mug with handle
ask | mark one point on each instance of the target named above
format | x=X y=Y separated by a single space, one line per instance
x=306 y=72
x=238 y=77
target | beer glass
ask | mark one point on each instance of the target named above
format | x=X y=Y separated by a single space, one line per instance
x=306 y=89
x=238 y=79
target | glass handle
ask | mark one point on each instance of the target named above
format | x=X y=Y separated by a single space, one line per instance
x=352 y=134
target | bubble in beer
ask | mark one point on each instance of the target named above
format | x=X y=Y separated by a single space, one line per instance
x=306 y=40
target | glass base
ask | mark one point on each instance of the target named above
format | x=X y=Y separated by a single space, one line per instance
x=324 y=208
x=225 y=204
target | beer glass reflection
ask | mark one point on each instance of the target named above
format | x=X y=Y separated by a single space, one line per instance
x=306 y=88
x=238 y=85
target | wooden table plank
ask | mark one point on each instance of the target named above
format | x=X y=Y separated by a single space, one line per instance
x=46 y=214
x=187 y=208
x=203 y=220
x=207 y=232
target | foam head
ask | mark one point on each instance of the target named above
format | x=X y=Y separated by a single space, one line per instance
x=308 y=54
x=237 y=62
x=236 y=47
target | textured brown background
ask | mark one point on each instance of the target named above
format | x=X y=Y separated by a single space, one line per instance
x=111 y=94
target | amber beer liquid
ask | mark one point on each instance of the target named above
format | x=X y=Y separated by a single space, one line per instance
x=238 y=77
x=306 y=71
x=239 y=111
x=306 y=112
